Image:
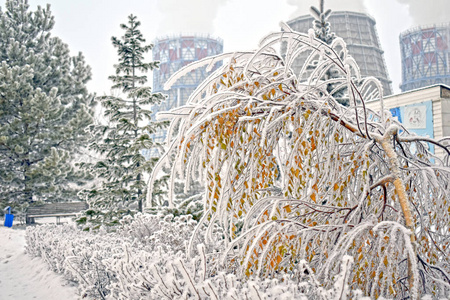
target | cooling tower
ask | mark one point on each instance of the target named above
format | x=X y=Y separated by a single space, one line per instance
x=175 y=52
x=425 y=56
x=359 y=32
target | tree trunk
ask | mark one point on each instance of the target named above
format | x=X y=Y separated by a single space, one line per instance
x=386 y=143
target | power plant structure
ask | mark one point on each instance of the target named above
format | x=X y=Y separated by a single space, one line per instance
x=425 y=56
x=173 y=53
x=359 y=32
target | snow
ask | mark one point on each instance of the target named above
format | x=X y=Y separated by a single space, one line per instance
x=23 y=277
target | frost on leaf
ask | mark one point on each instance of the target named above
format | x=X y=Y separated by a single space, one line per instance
x=291 y=175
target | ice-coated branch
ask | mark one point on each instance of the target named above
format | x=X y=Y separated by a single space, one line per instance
x=292 y=175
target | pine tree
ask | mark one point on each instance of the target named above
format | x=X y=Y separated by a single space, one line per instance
x=127 y=134
x=321 y=26
x=44 y=108
x=322 y=31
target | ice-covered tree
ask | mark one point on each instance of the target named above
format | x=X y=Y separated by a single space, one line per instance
x=323 y=31
x=293 y=177
x=44 y=108
x=321 y=26
x=127 y=130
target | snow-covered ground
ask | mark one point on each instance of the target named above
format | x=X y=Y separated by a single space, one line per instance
x=23 y=277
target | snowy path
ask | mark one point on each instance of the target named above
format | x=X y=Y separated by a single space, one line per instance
x=23 y=277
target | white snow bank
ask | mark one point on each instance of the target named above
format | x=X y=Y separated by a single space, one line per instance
x=25 y=278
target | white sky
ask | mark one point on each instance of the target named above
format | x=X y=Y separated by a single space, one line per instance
x=87 y=25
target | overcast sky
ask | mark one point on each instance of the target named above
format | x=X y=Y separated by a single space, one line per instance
x=87 y=25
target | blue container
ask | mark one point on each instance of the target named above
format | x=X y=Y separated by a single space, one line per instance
x=9 y=220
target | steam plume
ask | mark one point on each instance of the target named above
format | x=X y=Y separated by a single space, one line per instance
x=426 y=12
x=188 y=16
x=335 y=5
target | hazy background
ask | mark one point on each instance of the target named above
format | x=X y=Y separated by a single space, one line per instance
x=87 y=25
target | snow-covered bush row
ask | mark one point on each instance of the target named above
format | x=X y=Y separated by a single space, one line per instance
x=153 y=231
x=96 y=260
x=162 y=275
x=89 y=258
x=80 y=256
x=145 y=259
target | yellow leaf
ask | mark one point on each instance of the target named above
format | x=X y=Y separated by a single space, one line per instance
x=287 y=208
x=278 y=259
x=315 y=187
x=391 y=290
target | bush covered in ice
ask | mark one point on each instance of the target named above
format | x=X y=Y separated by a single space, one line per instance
x=145 y=259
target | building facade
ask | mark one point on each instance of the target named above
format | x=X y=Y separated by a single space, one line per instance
x=424 y=111
x=425 y=56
